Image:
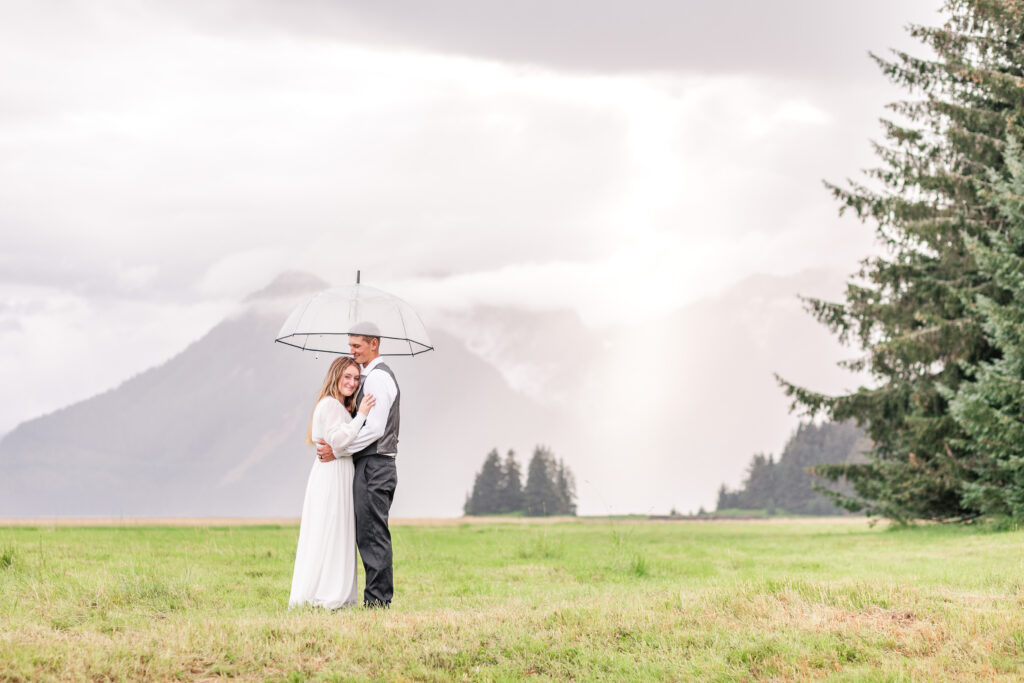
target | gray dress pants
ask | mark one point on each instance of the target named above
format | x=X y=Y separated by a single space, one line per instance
x=373 y=490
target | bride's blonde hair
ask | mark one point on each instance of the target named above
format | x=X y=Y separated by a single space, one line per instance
x=330 y=388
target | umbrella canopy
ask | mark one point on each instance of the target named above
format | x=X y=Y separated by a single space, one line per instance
x=323 y=322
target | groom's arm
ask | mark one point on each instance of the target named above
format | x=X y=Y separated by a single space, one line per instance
x=383 y=388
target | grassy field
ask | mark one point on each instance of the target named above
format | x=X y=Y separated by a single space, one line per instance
x=587 y=600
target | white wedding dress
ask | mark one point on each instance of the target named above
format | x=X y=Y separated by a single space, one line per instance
x=325 y=560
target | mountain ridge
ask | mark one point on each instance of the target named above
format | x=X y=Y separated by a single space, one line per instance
x=216 y=430
x=649 y=417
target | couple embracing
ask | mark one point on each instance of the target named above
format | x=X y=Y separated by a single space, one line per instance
x=352 y=484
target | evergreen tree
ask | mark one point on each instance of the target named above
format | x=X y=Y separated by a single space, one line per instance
x=566 y=489
x=797 y=489
x=991 y=407
x=908 y=309
x=726 y=499
x=788 y=483
x=550 y=486
x=541 y=495
x=486 y=496
x=760 y=485
x=511 y=493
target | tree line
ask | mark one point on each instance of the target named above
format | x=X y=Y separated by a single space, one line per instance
x=550 y=487
x=939 y=315
x=788 y=484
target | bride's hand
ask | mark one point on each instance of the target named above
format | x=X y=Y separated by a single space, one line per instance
x=368 y=402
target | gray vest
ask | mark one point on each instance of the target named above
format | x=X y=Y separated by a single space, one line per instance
x=388 y=442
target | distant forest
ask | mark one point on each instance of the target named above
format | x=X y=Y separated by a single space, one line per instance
x=550 y=487
x=787 y=485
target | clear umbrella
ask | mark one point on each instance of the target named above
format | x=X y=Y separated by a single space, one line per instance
x=323 y=322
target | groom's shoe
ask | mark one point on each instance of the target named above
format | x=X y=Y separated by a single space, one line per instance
x=377 y=604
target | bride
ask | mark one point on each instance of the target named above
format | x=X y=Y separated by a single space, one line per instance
x=325 y=560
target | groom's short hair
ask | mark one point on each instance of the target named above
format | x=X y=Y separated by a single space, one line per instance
x=367 y=338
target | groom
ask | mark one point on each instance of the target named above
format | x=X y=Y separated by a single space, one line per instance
x=373 y=454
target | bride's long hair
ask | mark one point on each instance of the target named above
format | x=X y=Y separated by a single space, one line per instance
x=330 y=388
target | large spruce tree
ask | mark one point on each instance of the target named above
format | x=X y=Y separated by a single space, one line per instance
x=909 y=309
x=990 y=408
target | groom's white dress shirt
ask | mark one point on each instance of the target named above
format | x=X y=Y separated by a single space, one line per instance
x=384 y=390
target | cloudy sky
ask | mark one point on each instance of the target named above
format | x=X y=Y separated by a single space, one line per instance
x=160 y=160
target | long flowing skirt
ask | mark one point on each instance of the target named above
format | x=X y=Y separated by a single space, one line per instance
x=325 y=560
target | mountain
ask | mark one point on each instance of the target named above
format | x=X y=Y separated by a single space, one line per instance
x=219 y=429
x=661 y=412
x=649 y=416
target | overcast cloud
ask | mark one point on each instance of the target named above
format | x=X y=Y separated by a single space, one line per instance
x=159 y=161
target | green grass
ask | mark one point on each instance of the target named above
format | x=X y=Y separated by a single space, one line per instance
x=738 y=512
x=508 y=599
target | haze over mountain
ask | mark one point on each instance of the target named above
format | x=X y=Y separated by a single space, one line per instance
x=640 y=414
x=219 y=428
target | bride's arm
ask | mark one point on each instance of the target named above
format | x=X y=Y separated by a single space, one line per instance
x=338 y=432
